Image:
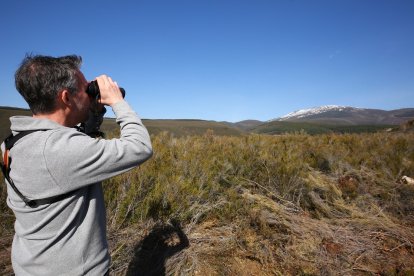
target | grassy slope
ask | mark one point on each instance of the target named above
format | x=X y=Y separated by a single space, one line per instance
x=176 y=127
x=180 y=127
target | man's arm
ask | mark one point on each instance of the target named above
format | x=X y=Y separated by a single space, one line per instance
x=75 y=160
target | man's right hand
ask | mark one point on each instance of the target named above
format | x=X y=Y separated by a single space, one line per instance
x=110 y=93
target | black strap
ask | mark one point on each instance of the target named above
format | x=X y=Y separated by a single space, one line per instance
x=12 y=139
x=5 y=168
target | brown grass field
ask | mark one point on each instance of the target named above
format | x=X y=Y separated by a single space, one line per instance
x=294 y=204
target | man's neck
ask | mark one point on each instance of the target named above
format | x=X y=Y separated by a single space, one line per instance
x=56 y=116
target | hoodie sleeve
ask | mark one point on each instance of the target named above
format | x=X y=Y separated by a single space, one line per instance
x=75 y=160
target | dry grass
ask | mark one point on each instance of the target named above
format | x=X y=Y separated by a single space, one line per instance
x=262 y=205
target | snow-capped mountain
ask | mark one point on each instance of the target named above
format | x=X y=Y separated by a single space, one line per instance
x=314 y=111
x=347 y=115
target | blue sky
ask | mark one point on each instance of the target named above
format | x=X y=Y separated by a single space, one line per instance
x=221 y=59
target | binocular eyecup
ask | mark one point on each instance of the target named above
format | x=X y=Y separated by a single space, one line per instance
x=93 y=90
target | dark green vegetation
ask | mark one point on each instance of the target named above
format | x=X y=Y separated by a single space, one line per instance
x=278 y=127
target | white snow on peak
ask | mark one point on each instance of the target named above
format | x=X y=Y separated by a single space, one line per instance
x=313 y=111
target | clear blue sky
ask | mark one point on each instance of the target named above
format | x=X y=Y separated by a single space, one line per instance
x=221 y=59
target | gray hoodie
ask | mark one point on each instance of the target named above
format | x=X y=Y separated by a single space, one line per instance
x=67 y=237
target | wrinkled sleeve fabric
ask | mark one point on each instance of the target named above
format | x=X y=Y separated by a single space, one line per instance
x=75 y=160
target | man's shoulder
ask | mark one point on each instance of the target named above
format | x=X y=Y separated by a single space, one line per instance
x=64 y=134
x=27 y=123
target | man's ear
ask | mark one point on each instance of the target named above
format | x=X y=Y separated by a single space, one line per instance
x=64 y=97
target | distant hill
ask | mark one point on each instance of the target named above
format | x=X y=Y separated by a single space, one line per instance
x=313 y=121
x=177 y=127
x=248 y=124
x=5 y=114
x=339 y=119
x=245 y=125
x=346 y=115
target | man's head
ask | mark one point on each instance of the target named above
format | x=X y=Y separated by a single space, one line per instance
x=40 y=79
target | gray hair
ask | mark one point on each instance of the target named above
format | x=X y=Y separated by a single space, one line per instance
x=39 y=79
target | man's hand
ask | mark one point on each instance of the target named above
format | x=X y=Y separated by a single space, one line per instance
x=110 y=93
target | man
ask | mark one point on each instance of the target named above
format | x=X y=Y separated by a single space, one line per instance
x=62 y=231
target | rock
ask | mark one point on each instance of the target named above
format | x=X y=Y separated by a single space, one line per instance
x=407 y=180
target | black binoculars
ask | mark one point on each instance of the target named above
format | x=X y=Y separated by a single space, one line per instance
x=93 y=90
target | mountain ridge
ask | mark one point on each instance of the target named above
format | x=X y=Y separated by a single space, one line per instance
x=347 y=115
x=326 y=119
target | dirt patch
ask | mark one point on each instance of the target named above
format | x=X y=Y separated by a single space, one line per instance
x=5 y=251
